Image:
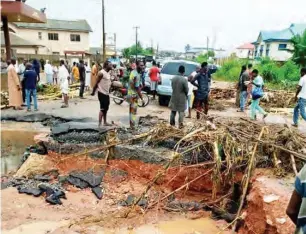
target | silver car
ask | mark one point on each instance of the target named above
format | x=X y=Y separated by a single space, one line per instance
x=169 y=70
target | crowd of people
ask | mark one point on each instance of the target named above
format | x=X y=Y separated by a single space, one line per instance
x=98 y=79
x=251 y=86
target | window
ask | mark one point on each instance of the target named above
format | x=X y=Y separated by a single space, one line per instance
x=261 y=50
x=171 y=68
x=267 y=50
x=55 y=53
x=39 y=35
x=2 y=51
x=256 y=53
x=282 y=46
x=53 y=36
x=75 y=37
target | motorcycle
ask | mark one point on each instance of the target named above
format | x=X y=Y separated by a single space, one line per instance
x=120 y=94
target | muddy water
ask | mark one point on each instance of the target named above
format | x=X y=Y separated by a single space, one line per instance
x=179 y=226
x=15 y=137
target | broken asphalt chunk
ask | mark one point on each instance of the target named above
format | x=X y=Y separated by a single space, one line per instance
x=98 y=191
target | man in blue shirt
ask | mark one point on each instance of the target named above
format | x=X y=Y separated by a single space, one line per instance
x=203 y=79
x=30 y=80
x=296 y=209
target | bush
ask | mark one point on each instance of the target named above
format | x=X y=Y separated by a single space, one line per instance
x=281 y=76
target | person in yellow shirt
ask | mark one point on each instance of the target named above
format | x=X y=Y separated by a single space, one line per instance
x=75 y=72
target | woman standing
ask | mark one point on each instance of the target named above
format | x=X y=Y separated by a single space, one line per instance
x=94 y=73
x=257 y=93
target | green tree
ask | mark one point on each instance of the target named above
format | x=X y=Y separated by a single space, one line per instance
x=299 y=51
x=204 y=57
x=126 y=53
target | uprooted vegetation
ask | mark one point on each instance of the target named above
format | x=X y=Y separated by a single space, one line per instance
x=212 y=158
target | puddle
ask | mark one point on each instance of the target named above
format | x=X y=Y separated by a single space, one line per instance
x=179 y=226
x=15 y=137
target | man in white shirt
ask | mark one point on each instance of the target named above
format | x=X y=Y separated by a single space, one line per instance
x=63 y=76
x=49 y=72
x=300 y=96
x=21 y=70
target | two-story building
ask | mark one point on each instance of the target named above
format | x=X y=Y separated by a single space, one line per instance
x=275 y=44
x=55 y=37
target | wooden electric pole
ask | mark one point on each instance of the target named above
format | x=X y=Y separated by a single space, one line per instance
x=103 y=33
x=136 y=31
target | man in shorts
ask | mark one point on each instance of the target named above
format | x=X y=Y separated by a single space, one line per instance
x=63 y=76
x=103 y=85
x=154 y=73
x=203 y=83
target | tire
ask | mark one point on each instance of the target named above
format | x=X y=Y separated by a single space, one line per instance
x=146 y=100
x=119 y=95
x=163 y=100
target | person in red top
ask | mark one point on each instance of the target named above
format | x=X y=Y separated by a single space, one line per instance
x=153 y=73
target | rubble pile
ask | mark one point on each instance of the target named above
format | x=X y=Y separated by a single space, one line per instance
x=216 y=93
x=278 y=99
x=4 y=98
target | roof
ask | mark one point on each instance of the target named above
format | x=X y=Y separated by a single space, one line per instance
x=59 y=25
x=283 y=35
x=17 y=11
x=247 y=46
x=17 y=41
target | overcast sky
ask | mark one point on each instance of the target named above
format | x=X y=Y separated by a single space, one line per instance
x=175 y=23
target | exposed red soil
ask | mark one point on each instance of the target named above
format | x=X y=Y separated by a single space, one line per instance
x=263 y=217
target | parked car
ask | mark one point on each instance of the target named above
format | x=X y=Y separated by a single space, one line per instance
x=169 y=70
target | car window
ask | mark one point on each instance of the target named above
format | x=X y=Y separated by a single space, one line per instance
x=172 y=68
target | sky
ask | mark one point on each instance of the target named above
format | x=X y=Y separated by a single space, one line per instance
x=174 y=23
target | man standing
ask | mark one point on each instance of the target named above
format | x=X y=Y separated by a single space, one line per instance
x=14 y=89
x=82 y=73
x=203 y=83
x=94 y=72
x=179 y=96
x=300 y=96
x=87 y=79
x=21 y=70
x=103 y=85
x=243 y=88
x=75 y=73
x=296 y=207
x=49 y=72
x=153 y=73
x=134 y=92
x=63 y=76
x=30 y=80
x=249 y=87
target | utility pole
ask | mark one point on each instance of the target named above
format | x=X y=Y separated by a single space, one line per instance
x=136 y=30
x=103 y=32
x=207 y=46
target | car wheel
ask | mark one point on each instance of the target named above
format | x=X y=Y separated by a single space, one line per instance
x=163 y=100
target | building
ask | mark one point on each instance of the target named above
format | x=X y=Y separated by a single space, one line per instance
x=55 y=37
x=245 y=51
x=275 y=44
x=194 y=52
x=18 y=43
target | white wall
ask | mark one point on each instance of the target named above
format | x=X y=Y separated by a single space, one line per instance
x=242 y=53
x=60 y=46
x=280 y=55
x=275 y=54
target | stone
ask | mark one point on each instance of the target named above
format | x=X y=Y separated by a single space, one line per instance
x=77 y=182
x=42 y=178
x=98 y=191
x=89 y=177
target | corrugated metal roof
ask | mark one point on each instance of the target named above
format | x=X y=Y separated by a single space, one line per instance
x=60 y=25
x=283 y=35
x=17 y=41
